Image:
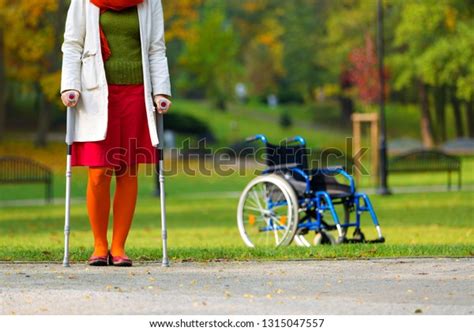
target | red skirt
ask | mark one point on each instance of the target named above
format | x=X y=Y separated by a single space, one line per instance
x=128 y=140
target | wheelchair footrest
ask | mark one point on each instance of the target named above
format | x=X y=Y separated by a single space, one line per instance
x=376 y=241
x=358 y=241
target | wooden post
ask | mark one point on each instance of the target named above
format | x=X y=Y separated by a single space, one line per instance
x=357 y=121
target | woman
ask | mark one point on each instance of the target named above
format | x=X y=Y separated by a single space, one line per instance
x=114 y=69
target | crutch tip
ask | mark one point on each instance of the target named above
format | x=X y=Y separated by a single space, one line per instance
x=66 y=265
x=165 y=264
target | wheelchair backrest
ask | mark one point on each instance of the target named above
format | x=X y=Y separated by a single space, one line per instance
x=285 y=156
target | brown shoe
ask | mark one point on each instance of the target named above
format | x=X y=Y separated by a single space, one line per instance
x=119 y=261
x=98 y=261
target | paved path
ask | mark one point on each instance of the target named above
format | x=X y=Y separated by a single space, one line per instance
x=429 y=286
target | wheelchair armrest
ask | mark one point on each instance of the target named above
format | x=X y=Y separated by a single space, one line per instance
x=336 y=170
x=302 y=174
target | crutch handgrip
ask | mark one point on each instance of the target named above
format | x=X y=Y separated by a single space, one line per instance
x=163 y=105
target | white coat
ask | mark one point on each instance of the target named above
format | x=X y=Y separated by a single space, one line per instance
x=83 y=66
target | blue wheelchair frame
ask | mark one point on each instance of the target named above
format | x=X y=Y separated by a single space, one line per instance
x=321 y=201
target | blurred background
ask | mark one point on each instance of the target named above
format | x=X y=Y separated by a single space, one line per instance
x=281 y=68
x=311 y=61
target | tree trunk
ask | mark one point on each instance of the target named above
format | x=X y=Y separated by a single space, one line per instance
x=347 y=109
x=3 y=84
x=43 y=106
x=456 y=104
x=43 y=119
x=440 y=110
x=470 y=118
x=347 y=105
x=426 y=124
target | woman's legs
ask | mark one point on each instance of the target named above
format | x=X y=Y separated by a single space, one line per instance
x=124 y=207
x=98 y=206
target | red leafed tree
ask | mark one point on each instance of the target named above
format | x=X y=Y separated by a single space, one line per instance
x=364 y=72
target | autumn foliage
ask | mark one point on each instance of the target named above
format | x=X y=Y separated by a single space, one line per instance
x=364 y=72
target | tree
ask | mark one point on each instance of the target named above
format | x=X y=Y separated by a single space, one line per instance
x=210 y=55
x=434 y=49
x=179 y=18
x=29 y=43
x=2 y=80
x=261 y=28
x=364 y=72
x=303 y=39
x=346 y=25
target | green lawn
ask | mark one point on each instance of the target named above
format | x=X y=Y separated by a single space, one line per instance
x=202 y=225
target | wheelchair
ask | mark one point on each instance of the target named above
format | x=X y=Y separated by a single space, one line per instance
x=287 y=201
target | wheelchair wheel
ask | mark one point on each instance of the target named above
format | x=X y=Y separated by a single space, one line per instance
x=267 y=214
x=323 y=237
x=358 y=235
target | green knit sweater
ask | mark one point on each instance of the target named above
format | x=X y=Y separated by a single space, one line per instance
x=122 y=30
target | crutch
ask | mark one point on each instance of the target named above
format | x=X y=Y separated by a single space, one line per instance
x=70 y=123
x=160 y=149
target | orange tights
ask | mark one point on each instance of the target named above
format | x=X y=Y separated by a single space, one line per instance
x=98 y=206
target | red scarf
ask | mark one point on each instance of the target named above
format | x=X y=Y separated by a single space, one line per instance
x=116 y=5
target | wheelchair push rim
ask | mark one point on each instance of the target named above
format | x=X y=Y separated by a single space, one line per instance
x=267 y=213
